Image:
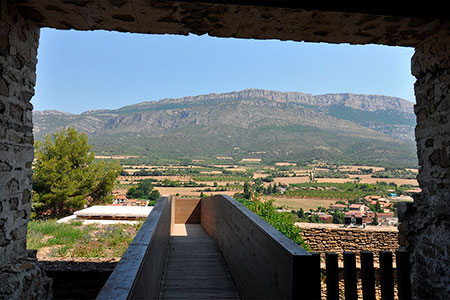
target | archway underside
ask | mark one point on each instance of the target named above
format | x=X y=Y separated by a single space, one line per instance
x=312 y=21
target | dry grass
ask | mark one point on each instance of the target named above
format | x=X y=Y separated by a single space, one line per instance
x=364 y=179
x=251 y=160
x=135 y=179
x=297 y=203
x=285 y=164
x=116 y=156
x=189 y=191
x=398 y=181
x=322 y=169
x=355 y=168
x=260 y=175
x=289 y=180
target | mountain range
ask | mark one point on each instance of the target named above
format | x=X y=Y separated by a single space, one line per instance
x=253 y=123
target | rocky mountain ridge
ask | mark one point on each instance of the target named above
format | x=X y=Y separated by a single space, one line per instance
x=240 y=116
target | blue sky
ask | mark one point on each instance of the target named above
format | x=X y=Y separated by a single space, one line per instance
x=79 y=71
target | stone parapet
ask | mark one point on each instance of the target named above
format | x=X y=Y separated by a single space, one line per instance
x=325 y=238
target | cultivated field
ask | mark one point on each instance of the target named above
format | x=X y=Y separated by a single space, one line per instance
x=211 y=178
x=297 y=203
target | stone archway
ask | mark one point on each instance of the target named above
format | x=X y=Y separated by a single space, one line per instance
x=425 y=226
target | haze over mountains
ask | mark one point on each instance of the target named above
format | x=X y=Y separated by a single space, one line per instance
x=252 y=123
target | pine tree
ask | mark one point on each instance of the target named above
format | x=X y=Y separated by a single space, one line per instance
x=65 y=176
x=274 y=189
x=269 y=190
x=247 y=194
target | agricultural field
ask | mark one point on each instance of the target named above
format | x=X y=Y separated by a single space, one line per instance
x=296 y=203
x=289 y=186
x=190 y=180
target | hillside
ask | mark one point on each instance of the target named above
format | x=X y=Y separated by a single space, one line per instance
x=263 y=124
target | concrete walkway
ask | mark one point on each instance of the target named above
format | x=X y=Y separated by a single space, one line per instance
x=195 y=268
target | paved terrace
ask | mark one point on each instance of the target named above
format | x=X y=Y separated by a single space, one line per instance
x=209 y=248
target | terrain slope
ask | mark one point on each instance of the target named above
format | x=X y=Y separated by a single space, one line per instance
x=252 y=123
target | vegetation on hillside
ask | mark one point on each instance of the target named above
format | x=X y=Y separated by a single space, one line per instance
x=371 y=131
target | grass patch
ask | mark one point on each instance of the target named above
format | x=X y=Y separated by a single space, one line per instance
x=76 y=240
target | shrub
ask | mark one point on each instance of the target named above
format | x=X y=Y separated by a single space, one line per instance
x=280 y=221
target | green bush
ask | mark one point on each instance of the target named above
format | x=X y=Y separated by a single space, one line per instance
x=280 y=221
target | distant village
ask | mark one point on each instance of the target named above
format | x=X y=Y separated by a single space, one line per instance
x=371 y=210
x=120 y=200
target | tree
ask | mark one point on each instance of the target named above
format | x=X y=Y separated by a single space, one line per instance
x=258 y=186
x=321 y=209
x=314 y=219
x=269 y=190
x=66 y=178
x=338 y=217
x=274 y=189
x=246 y=190
x=378 y=207
x=144 y=190
x=301 y=213
x=268 y=179
x=154 y=195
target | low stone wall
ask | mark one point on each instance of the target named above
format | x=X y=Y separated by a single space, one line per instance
x=324 y=238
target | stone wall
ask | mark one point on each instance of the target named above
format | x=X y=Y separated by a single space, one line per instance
x=425 y=229
x=324 y=238
x=357 y=22
x=18 y=49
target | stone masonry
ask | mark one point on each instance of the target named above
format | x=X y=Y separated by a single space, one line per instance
x=425 y=225
x=325 y=238
x=18 y=47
